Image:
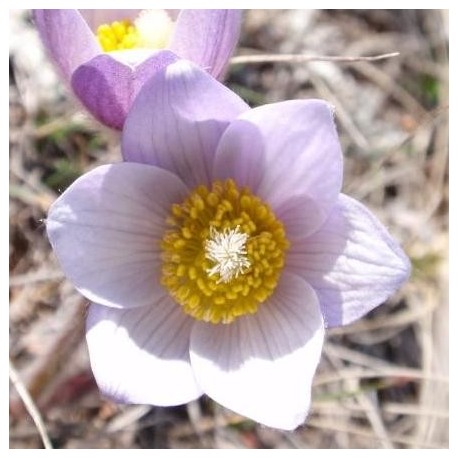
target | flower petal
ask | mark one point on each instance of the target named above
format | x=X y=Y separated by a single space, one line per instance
x=207 y=37
x=241 y=154
x=105 y=230
x=67 y=38
x=177 y=120
x=262 y=365
x=293 y=150
x=107 y=87
x=352 y=262
x=141 y=356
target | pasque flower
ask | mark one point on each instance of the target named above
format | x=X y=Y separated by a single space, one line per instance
x=216 y=254
x=107 y=55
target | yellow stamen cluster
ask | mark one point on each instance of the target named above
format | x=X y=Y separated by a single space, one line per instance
x=202 y=227
x=118 y=35
x=151 y=30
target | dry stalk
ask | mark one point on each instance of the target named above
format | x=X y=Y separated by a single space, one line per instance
x=30 y=406
x=300 y=58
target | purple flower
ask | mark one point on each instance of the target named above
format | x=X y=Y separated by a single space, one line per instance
x=216 y=254
x=107 y=55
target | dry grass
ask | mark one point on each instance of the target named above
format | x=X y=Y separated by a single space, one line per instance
x=382 y=382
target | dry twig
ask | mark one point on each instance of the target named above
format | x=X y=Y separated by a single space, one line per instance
x=300 y=58
x=30 y=406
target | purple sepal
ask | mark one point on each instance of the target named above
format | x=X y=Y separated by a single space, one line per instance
x=107 y=87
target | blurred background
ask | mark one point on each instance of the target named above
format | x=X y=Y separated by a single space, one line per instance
x=383 y=381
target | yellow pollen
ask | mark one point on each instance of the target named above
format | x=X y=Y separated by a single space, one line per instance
x=223 y=252
x=150 y=30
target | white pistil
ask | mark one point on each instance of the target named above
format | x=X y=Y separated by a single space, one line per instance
x=228 y=250
x=155 y=28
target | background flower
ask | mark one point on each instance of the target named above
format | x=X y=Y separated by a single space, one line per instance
x=107 y=71
x=134 y=237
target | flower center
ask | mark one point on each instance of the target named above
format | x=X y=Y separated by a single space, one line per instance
x=151 y=30
x=223 y=254
x=227 y=249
